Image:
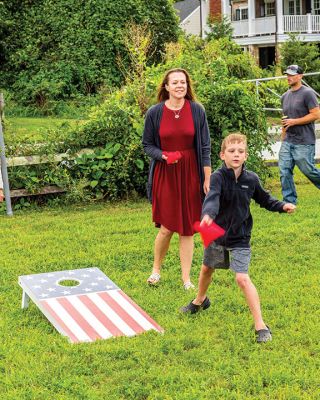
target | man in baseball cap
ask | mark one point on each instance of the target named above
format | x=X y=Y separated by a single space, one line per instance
x=294 y=70
x=300 y=109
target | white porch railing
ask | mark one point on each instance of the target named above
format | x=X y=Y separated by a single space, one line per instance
x=315 y=23
x=263 y=26
x=240 y=28
x=295 y=23
x=291 y=23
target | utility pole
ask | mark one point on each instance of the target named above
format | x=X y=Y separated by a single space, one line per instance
x=3 y=160
x=201 y=25
x=276 y=52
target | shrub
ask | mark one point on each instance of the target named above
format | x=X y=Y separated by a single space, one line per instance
x=219 y=27
x=118 y=167
x=230 y=105
x=307 y=55
x=57 y=49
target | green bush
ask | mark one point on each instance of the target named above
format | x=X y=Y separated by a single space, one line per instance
x=219 y=27
x=230 y=105
x=306 y=55
x=55 y=50
x=118 y=167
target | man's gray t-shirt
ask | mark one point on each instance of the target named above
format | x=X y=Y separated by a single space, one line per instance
x=297 y=104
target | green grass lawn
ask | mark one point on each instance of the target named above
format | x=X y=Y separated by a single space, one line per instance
x=33 y=129
x=212 y=355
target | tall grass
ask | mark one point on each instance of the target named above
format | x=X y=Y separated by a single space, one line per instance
x=212 y=355
x=33 y=130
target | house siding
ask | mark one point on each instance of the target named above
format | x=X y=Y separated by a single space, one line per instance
x=215 y=8
x=191 y=25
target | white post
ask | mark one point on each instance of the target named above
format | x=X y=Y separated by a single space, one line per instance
x=205 y=12
x=226 y=8
x=309 y=19
x=279 y=11
x=251 y=17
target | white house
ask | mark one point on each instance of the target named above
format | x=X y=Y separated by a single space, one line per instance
x=193 y=15
x=261 y=25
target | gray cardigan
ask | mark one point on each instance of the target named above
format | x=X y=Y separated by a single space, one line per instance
x=152 y=147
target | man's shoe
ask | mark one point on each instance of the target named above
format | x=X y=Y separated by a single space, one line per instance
x=194 y=308
x=263 y=335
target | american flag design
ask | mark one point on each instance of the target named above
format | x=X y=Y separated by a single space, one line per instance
x=94 y=309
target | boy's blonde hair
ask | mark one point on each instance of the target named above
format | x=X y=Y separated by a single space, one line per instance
x=235 y=137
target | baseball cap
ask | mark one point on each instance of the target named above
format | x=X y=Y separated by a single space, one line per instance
x=293 y=70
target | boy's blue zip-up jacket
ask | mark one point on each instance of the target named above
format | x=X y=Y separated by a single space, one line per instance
x=228 y=203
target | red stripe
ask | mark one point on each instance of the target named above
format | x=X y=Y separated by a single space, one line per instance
x=121 y=312
x=81 y=321
x=59 y=321
x=141 y=311
x=106 y=322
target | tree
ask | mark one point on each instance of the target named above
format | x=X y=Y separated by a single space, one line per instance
x=306 y=55
x=62 y=48
x=220 y=27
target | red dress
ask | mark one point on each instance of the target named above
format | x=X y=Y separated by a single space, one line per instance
x=176 y=187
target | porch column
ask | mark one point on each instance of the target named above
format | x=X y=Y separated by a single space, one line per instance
x=251 y=17
x=279 y=11
x=226 y=9
x=309 y=28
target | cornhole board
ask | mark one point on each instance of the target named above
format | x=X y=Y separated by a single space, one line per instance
x=94 y=309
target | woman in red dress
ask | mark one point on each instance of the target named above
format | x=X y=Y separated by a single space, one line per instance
x=176 y=137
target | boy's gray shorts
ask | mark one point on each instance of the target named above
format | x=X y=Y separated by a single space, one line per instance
x=237 y=258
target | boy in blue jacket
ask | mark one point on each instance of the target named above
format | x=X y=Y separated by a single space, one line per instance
x=228 y=204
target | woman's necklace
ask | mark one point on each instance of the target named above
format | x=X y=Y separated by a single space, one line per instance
x=177 y=112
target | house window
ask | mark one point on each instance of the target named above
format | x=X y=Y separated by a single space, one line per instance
x=291 y=7
x=316 y=7
x=244 y=13
x=270 y=9
x=298 y=9
x=241 y=13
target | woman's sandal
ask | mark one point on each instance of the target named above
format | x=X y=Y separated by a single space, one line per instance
x=154 y=278
x=188 y=285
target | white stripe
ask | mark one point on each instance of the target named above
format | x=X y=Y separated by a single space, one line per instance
x=134 y=313
x=112 y=315
x=89 y=317
x=68 y=320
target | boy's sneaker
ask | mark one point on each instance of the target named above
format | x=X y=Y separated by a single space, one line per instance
x=194 y=308
x=263 y=335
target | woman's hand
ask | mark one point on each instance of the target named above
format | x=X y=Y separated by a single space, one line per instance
x=171 y=157
x=206 y=186
x=206 y=183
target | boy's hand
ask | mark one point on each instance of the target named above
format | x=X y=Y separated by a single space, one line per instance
x=289 y=208
x=206 y=220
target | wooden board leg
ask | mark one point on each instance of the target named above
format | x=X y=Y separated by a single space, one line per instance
x=25 y=300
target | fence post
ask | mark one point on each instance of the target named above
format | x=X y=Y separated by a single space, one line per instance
x=257 y=88
x=4 y=170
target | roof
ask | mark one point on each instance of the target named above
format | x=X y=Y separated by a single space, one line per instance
x=186 y=7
